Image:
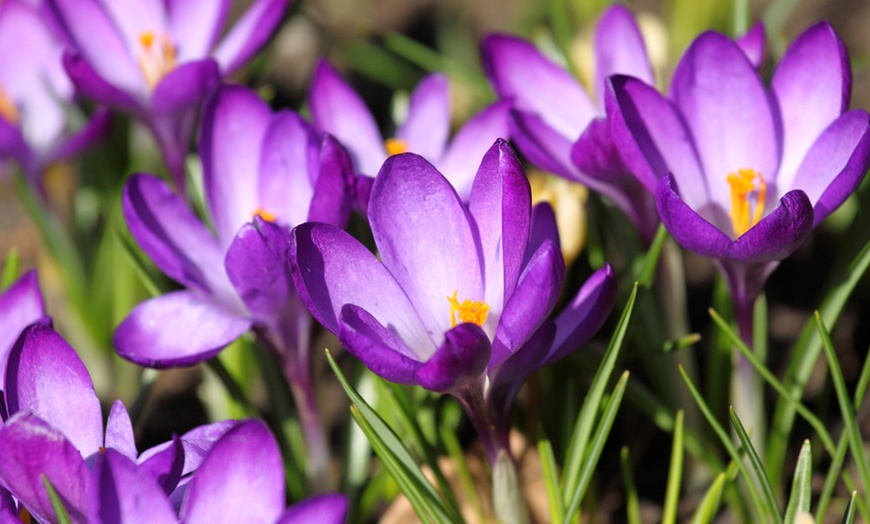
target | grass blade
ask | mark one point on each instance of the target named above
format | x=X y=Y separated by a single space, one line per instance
x=10 y=268
x=849 y=514
x=801 y=486
x=760 y=474
x=56 y=504
x=632 y=504
x=675 y=475
x=551 y=478
x=709 y=506
x=651 y=260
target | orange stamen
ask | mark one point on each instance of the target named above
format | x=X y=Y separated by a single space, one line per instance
x=265 y=215
x=396 y=146
x=157 y=57
x=742 y=184
x=473 y=311
x=8 y=109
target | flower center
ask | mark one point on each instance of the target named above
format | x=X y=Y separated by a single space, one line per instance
x=473 y=311
x=265 y=215
x=742 y=184
x=8 y=109
x=157 y=57
x=396 y=146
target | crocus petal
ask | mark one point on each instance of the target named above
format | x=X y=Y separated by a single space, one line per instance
x=124 y=495
x=199 y=441
x=506 y=379
x=148 y=16
x=333 y=190
x=185 y=87
x=257 y=265
x=543 y=229
x=227 y=489
x=195 y=25
x=688 y=228
x=585 y=315
x=289 y=155
x=330 y=268
x=12 y=144
x=249 y=34
x=166 y=229
x=33 y=449
x=554 y=95
x=234 y=124
x=46 y=377
x=166 y=466
x=101 y=43
x=531 y=302
x=752 y=44
x=727 y=110
x=8 y=508
x=337 y=109
x=460 y=360
x=119 y=431
x=619 y=49
x=473 y=141
x=428 y=124
x=20 y=305
x=500 y=205
x=96 y=128
x=176 y=329
x=836 y=164
x=330 y=508
x=544 y=146
x=376 y=346
x=811 y=84
x=411 y=200
x=90 y=84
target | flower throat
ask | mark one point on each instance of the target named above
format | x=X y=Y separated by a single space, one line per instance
x=742 y=185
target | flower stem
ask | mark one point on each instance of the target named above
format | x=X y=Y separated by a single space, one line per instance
x=316 y=444
x=747 y=394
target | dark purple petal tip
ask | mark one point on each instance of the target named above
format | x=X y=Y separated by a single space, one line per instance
x=460 y=360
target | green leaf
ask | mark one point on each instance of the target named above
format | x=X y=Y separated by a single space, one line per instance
x=651 y=260
x=148 y=277
x=10 y=268
x=849 y=514
x=598 y=440
x=454 y=449
x=801 y=486
x=632 y=504
x=672 y=494
x=395 y=457
x=551 y=477
x=56 y=504
x=709 y=506
x=592 y=403
x=760 y=474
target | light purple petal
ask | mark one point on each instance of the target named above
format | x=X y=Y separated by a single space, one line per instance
x=167 y=230
x=619 y=49
x=534 y=84
x=752 y=44
x=249 y=34
x=95 y=130
x=330 y=508
x=124 y=495
x=728 y=112
x=234 y=124
x=177 y=329
x=688 y=228
x=330 y=269
x=257 y=265
x=334 y=188
x=459 y=164
x=534 y=298
x=46 y=377
x=148 y=16
x=20 y=305
x=836 y=164
x=544 y=147
x=424 y=239
x=119 y=431
x=428 y=124
x=165 y=466
x=811 y=85
x=543 y=229
x=226 y=488
x=31 y=449
x=199 y=441
x=500 y=206
x=337 y=109
x=185 y=87
x=461 y=359
x=90 y=84
x=585 y=315
x=195 y=25
x=376 y=346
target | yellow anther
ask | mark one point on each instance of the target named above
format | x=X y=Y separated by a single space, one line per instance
x=157 y=57
x=265 y=215
x=8 y=110
x=396 y=146
x=473 y=311
x=742 y=184
x=147 y=38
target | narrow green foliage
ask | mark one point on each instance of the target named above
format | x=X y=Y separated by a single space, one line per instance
x=682 y=343
x=849 y=514
x=560 y=21
x=10 y=269
x=651 y=260
x=801 y=486
x=56 y=504
x=551 y=477
x=709 y=506
x=598 y=440
x=675 y=475
x=632 y=504
x=456 y=453
x=148 y=278
x=760 y=474
x=395 y=457
x=592 y=403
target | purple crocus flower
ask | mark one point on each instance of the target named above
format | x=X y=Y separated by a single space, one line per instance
x=560 y=129
x=742 y=173
x=36 y=95
x=21 y=304
x=458 y=299
x=158 y=60
x=263 y=173
x=337 y=109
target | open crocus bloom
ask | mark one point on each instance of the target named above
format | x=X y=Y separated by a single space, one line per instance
x=36 y=95
x=21 y=304
x=157 y=60
x=742 y=173
x=338 y=110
